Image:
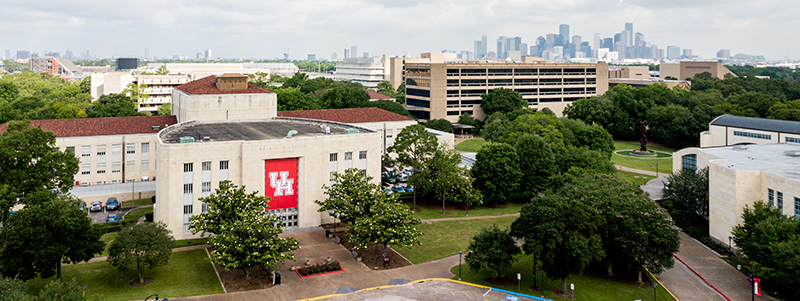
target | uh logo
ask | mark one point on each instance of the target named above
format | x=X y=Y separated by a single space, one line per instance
x=283 y=186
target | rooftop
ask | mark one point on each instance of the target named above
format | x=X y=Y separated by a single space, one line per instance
x=208 y=85
x=352 y=115
x=250 y=130
x=79 y=127
x=769 y=158
x=764 y=124
x=375 y=95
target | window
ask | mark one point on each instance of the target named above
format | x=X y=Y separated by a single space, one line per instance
x=792 y=140
x=71 y=149
x=101 y=166
x=452 y=113
x=187 y=188
x=223 y=170
x=86 y=151
x=204 y=207
x=145 y=164
x=362 y=155
x=348 y=160
x=206 y=186
x=187 y=209
x=101 y=150
x=362 y=162
x=188 y=167
x=206 y=166
x=770 y=197
x=116 y=166
x=145 y=148
x=116 y=157
x=689 y=161
x=780 y=201
x=752 y=135
x=130 y=148
x=116 y=149
x=388 y=136
x=334 y=157
x=796 y=208
x=131 y=165
x=332 y=177
x=223 y=165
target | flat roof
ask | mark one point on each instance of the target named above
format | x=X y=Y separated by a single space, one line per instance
x=249 y=130
x=770 y=158
x=763 y=124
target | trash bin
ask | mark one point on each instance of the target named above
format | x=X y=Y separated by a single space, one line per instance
x=328 y=233
x=277 y=279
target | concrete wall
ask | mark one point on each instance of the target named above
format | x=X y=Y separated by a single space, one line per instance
x=109 y=177
x=246 y=167
x=223 y=106
x=723 y=136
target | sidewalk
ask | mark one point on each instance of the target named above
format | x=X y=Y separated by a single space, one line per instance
x=687 y=286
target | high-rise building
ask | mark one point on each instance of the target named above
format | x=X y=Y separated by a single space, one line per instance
x=523 y=47
x=563 y=31
x=312 y=57
x=353 y=52
x=608 y=43
x=346 y=53
x=147 y=53
x=513 y=44
x=333 y=56
x=629 y=34
x=24 y=54
x=724 y=54
x=673 y=52
x=366 y=55
x=484 y=43
x=8 y=54
x=501 y=47
x=687 y=53
x=576 y=39
x=207 y=53
x=68 y=54
x=639 y=40
x=478 y=47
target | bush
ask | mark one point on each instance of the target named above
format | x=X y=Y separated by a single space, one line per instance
x=148 y=217
x=107 y=228
x=154 y=199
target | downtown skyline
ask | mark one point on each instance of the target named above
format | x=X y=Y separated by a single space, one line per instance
x=267 y=30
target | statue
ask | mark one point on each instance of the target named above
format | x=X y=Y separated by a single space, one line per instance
x=643 y=133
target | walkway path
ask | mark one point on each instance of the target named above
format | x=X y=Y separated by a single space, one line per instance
x=639 y=171
x=316 y=247
x=468 y=217
x=178 y=249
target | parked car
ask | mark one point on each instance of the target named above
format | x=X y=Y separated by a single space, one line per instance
x=82 y=206
x=399 y=189
x=409 y=189
x=403 y=178
x=112 y=204
x=96 y=206
x=113 y=218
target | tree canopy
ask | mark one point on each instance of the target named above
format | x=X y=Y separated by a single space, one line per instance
x=414 y=146
x=497 y=170
x=502 y=100
x=491 y=249
x=440 y=125
x=689 y=187
x=141 y=247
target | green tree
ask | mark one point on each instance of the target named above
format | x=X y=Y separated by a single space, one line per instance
x=596 y=138
x=113 y=105
x=63 y=291
x=562 y=232
x=536 y=162
x=784 y=111
x=8 y=91
x=491 y=249
x=31 y=162
x=291 y=99
x=47 y=232
x=13 y=289
x=140 y=247
x=444 y=177
x=246 y=235
x=502 y=100
x=162 y=70
x=349 y=97
x=414 y=146
x=391 y=106
x=440 y=125
x=389 y=223
x=495 y=127
x=549 y=127
x=689 y=187
x=259 y=79
x=351 y=195
x=496 y=170
x=385 y=88
x=165 y=109
x=136 y=92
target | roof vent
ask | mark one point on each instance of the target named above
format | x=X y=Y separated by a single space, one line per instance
x=291 y=133
x=156 y=127
x=186 y=139
x=792 y=153
x=351 y=131
x=740 y=147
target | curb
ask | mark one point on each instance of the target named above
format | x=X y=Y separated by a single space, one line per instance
x=701 y=277
x=215 y=271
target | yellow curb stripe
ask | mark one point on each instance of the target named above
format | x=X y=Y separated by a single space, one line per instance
x=661 y=284
x=417 y=281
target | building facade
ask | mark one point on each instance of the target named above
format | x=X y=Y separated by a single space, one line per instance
x=366 y=71
x=728 y=130
x=438 y=88
x=159 y=87
x=687 y=69
x=61 y=67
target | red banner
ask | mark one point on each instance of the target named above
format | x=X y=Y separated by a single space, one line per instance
x=757 y=286
x=281 y=183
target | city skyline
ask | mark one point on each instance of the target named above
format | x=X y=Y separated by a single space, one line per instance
x=269 y=29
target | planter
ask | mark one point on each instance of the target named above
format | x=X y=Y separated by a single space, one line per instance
x=358 y=258
x=328 y=259
x=308 y=262
x=319 y=269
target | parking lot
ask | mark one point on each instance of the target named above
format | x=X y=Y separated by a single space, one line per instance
x=100 y=217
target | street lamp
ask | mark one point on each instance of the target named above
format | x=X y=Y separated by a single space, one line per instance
x=730 y=244
x=751 y=277
x=656 y=169
x=332 y=213
x=654 y=290
x=459 y=264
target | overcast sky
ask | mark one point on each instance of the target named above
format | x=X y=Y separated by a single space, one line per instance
x=267 y=29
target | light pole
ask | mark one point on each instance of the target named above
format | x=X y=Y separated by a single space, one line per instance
x=654 y=290
x=656 y=169
x=459 y=264
x=333 y=213
x=730 y=244
x=750 y=277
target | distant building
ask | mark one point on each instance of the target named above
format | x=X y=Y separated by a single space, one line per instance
x=673 y=53
x=687 y=53
x=724 y=54
x=366 y=71
x=439 y=86
x=687 y=69
x=312 y=57
x=198 y=70
x=62 y=67
x=729 y=130
x=639 y=77
x=23 y=54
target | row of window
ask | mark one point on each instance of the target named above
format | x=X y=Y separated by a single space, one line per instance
x=524 y=91
x=116 y=158
x=205 y=187
x=348 y=163
x=513 y=82
x=521 y=71
x=775 y=198
x=792 y=140
x=752 y=135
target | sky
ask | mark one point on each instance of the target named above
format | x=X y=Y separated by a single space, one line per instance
x=267 y=29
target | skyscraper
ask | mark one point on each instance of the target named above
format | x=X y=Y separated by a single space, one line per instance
x=673 y=52
x=629 y=34
x=346 y=53
x=724 y=54
x=523 y=47
x=478 y=48
x=353 y=52
x=484 y=43
x=563 y=31
x=501 y=44
x=596 y=44
x=513 y=44
x=8 y=54
x=207 y=53
x=312 y=57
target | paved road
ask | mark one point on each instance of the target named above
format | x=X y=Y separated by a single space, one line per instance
x=110 y=189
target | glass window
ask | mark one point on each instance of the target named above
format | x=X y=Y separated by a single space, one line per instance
x=187 y=209
x=101 y=166
x=334 y=157
x=752 y=135
x=780 y=201
x=145 y=147
x=101 y=150
x=206 y=165
x=116 y=149
x=770 y=197
x=206 y=187
x=223 y=165
x=145 y=164
x=796 y=208
x=349 y=155
x=116 y=166
x=187 y=188
x=188 y=167
x=130 y=148
x=362 y=155
x=792 y=140
x=689 y=161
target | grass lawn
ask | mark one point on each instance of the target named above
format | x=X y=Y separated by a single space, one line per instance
x=664 y=164
x=588 y=286
x=635 y=178
x=471 y=145
x=188 y=273
x=426 y=213
x=442 y=239
x=108 y=237
x=135 y=215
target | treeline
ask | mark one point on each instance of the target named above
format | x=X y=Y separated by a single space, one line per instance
x=301 y=93
x=30 y=96
x=677 y=116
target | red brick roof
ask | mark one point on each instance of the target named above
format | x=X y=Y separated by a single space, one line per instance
x=375 y=95
x=208 y=85
x=353 y=115
x=78 y=127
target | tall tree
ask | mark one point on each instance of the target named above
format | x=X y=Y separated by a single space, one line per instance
x=562 y=232
x=48 y=231
x=689 y=187
x=502 y=100
x=291 y=99
x=350 y=97
x=491 y=249
x=414 y=146
x=536 y=162
x=141 y=247
x=440 y=125
x=389 y=223
x=31 y=162
x=496 y=170
x=246 y=235
x=351 y=195
x=113 y=105
x=447 y=179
